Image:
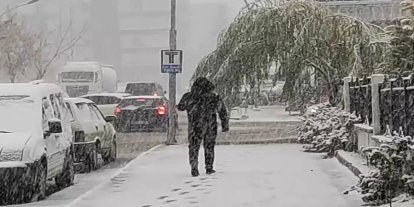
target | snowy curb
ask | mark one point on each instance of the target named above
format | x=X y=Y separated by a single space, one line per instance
x=351 y=163
x=290 y=140
x=86 y=194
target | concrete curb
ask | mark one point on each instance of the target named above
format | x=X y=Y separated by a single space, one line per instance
x=121 y=170
x=355 y=170
x=290 y=140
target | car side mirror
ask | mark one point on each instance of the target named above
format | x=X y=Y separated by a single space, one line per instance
x=110 y=119
x=55 y=127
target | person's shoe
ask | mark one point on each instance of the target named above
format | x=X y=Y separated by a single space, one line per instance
x=195 y=173
x=210 y=171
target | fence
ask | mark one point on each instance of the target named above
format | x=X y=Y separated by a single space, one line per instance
x=397 y=105
x=385 y=104
x=361 y=98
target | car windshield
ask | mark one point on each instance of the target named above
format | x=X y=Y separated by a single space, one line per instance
x=103 y=100
x=136 y=102
x=18 y=114
x=77 y=77
x=140 y=89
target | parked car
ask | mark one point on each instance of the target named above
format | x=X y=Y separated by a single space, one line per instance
x=145 y=89
x=107 y=102
x=92 y=132
x=136 y=113
x=35 y=141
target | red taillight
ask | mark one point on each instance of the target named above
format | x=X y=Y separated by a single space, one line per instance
x=161 y=110
x=118 y=111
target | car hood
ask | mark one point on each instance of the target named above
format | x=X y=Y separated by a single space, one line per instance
x=13 y=141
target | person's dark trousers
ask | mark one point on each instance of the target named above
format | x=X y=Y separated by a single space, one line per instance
x=208 y=137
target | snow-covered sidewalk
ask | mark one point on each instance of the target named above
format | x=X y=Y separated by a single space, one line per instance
x=248 y=175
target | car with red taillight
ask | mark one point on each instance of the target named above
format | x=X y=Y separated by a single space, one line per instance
x=142 y=113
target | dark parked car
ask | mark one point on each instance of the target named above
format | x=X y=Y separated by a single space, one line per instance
x=145 y=89
x=142 y=113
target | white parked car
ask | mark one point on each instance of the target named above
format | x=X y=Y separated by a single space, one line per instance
x=93 y=133
x=107 y=102
x=35 y=141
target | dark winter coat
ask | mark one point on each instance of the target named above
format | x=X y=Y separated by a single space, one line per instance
x=202 y=106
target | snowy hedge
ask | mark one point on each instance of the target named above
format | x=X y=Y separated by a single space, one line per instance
x=395 y=174
x=327 y=129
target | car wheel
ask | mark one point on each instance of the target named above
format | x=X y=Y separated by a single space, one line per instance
x=92 y=159
x=113 y=152
x=40 y=180
x=67 y=176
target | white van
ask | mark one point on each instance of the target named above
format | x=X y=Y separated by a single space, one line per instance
x=35 y=140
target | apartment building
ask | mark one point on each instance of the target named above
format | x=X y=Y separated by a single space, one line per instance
x=144 y=31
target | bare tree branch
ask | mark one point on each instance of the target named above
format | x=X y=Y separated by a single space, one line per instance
x=64 y=44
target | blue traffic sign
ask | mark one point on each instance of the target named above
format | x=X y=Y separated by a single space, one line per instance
x=171 y=61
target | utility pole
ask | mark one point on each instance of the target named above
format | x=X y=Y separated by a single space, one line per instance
x=171 y=140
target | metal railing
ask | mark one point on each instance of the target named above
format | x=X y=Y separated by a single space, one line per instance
x=361 y=99
x=397 y=105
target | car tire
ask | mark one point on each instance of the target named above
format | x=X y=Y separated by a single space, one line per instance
x=92 y=159
x=39 y=191
x=113 y=152
x=67 y=176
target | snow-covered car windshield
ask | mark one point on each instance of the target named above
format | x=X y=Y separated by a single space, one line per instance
x=18 y=114
x=77 y=77
x=140 y=89
x=136 y=102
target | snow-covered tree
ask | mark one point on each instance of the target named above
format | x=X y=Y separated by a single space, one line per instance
x=295 y=36
x=16 y=48
x=399 y=59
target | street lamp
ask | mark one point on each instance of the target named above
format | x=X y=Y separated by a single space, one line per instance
x=18 y=6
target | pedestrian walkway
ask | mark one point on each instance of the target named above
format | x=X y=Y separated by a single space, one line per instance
x=247 y=175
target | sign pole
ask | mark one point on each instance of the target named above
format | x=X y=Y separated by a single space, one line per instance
x=172 y=81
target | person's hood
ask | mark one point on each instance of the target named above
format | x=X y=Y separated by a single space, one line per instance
x=201 y=86
x=13 y=141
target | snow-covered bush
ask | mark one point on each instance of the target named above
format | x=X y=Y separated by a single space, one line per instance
x=395 y=174
x=327 y=129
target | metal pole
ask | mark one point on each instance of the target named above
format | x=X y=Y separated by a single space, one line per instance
x=172 y=81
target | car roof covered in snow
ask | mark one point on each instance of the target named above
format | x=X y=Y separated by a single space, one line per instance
x=138 y=82
x=79 y=100
x=118 y=95
x=146 y=97
x=35 y=89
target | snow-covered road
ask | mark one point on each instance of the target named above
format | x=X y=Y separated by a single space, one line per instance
x=248 y=175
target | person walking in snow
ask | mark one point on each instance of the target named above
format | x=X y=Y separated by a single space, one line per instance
x=202 y=106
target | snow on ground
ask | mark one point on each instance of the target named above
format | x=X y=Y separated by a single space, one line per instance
x=402 y=201
x=268 y=114
x=248 y=175
x=83 y=183
x=265 y=114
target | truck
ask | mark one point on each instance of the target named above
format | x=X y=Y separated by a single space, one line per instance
x=82 y=78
